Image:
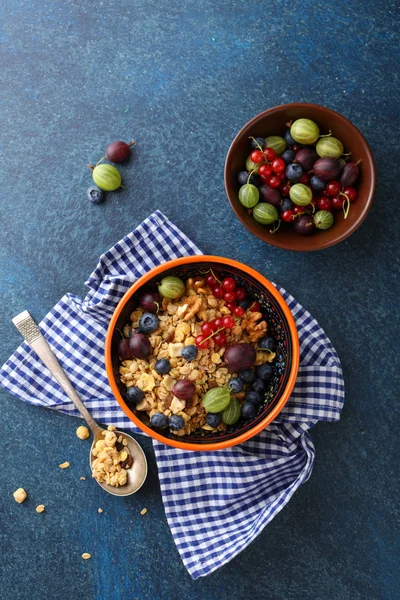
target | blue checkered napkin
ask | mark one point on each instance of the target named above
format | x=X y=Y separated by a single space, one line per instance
x=216 y=503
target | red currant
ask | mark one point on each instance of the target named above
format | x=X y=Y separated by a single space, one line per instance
x=202 y=342
x=211 y=281
x=229 y=297
x=297 y=147
x=304 y=179
x=255 y=307
x=265 y=171
x=284 y=188
x=278 y=165
x=274 y=181
x=269 y=154
x=337 y=202
x=208 y=328
x=257 y=156
x=220 y=339
x=240 y=293
x=218 y=322
x=229 y=284
x=351 y=193
x=287 y=216
x=228 y=322
x=218 y=292
x=298 y=209
x=324 y=203
x=333 y=188
x=231 y=306
x=239 y=311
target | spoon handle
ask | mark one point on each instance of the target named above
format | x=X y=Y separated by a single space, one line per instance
x=32 y=334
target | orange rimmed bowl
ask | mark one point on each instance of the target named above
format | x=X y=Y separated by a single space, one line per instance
x=281 y=325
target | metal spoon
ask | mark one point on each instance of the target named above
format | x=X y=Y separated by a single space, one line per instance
x=138 y=472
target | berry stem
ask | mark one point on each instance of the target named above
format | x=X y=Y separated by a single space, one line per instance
x=346 y=204
x=326 y=135
x=91 y=167
x=258 y=145
x=132 y=143
x=276 y=227
x=289 y=123
x=212 y=334
x=121 y=334
x=102 y=158
x=250 y=174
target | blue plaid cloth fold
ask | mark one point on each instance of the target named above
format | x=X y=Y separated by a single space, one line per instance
x=216 y=503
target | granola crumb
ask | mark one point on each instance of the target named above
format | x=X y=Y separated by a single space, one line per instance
x=64 y=465
x=111 y=428
x=82 y=478
x=86 y=556
x=40 y=508
x=20 y=495
x=143 y=511
x=100 y=510
x=82 y=432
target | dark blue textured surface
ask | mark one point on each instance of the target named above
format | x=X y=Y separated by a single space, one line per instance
x=181 y=80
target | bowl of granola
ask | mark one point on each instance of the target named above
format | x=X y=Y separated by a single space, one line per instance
x=202 y=353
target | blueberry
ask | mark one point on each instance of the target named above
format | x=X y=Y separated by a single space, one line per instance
x=213 y=419
x=288 y=138
x=162 y=366
x=176 y=422
x=257 y=142
x=134 y=395
x=267 y=343
x=242 y=177
x=244 y=303
x=293 y=172
x=287 y=204
x=159 y=420
x=236 y=385
x=254 y=398
x=189 y=352
x=258 y=386
x=317 y=184
x=148 y=323
x=247 y=376
x=95 y=195
x=288 y=156
x=255 y=179
x=248 y=410
x=264 y=372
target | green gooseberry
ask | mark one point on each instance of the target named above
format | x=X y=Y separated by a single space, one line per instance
x=231 y=413
x=171 y=287
x=304 y=131
x=265 y=213
x=323 y=219
x=277 y=143
x=300 y=194
x=248 y=195
x=329 y=146
x=251 y=166
x=106 y=177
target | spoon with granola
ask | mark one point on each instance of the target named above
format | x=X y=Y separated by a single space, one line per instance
x=117 y=461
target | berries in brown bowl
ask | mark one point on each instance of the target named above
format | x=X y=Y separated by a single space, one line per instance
x=301 y=179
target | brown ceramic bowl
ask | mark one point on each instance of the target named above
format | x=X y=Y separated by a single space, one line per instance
x=273 y=122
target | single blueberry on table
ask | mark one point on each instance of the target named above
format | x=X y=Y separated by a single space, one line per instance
x=189 y=352
x=267 y=343
x=95 y=195
x=236 y=385
x=133 y=395
x=248 y=410
x=159 y=420
x=247 y=376
x=148 y=323
x=264 y=372
x=213 y=419
x=176 y=422
x=162 y=366
x=258 y=386
x=293 y=172
x=254 y=398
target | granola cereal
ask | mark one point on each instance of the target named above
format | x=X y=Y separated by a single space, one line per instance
x=190 y=334
x=111 y=459
x=20 y=495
